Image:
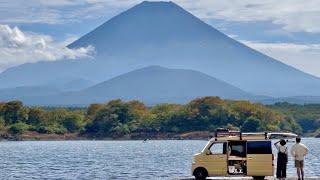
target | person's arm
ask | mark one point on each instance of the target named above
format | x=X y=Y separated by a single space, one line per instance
x=293 y=151
x=276 y=144
x=306 y=150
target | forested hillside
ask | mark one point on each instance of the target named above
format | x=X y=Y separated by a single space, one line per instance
x=117 y=118
x=307 y=116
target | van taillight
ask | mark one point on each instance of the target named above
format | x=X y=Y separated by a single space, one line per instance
x=272 y=159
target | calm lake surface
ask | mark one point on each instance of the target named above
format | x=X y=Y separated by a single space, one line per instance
x=163 y=159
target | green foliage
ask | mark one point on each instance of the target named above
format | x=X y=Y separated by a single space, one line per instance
x=92 y=110
x=18 y=128
x=13 y=112
x=118 y=118
x=305 y=116
x=2 y=123
x=35 y=116
x=251 y=125
x=51 y=130
x=73 y=122
x=112 y=117
x=290 y=125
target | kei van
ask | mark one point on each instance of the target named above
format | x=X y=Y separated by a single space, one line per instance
x=232 y=153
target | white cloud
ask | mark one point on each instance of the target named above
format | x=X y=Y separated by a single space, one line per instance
x=59 y=11
x=305 y=57
x=291 y=15
x=17 y=47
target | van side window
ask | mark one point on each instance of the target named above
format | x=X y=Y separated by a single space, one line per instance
x=259 y=147
x=237 y=148
x=218 y=148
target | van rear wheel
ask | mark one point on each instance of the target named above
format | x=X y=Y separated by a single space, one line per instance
x=258 y=177
x=200 y=174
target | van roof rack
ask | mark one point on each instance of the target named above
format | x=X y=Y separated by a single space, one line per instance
x=226 y=134
x=220 y=132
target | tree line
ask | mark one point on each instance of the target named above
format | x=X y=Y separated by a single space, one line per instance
x=306 y=115
x=117 y=118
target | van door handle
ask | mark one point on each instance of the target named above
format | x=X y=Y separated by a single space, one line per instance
x=250 y=158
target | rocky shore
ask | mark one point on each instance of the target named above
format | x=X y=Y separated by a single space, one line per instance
x=34 y=136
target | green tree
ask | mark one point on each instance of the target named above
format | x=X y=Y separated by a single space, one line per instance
x=289 y=124
x=109 y=116
x=18 y=128
x=161 y=118
x=251 y=125
x=35 y=116
x=2 y=123
x=54 y=117
x=93 y=109
x=73 y=122
x=12 y=112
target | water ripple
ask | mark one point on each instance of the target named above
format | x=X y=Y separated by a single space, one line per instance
x=111 y=159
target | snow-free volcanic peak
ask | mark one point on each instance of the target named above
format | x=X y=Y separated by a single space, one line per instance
x=164 y=34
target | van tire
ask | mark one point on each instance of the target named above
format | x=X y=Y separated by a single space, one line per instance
x=258 y=177
x=200 y=173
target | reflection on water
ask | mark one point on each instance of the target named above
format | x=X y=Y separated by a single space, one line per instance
x=112 y=159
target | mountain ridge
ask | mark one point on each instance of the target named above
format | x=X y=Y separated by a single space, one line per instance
x=164 y=34
x=152 y=84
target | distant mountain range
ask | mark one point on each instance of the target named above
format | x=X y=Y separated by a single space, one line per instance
x=162 y=34
x=22 y=92
x=153 y=84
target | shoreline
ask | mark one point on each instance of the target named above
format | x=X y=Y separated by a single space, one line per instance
x=34 y=136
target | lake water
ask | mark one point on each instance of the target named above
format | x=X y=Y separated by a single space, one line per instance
x=113 y=159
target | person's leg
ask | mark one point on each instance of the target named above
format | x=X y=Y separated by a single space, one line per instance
x=278 y=171
x=298 y=173
x=302 y=172
x=296 y=164
x=284 y=171
x=281 y=173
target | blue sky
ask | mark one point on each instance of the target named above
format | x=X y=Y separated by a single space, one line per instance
x=35 y=30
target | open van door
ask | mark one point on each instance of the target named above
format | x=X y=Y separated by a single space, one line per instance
x=259 y=158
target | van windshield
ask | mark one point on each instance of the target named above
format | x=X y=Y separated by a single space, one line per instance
x=206 y=146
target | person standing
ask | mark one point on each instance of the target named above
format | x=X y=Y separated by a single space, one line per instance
x=282 y=159
x=299 y=151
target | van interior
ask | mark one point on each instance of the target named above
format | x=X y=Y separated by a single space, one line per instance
x=237 y=157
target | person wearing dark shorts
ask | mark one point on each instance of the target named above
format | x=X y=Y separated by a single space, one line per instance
x=298 y=164
x=299 y=151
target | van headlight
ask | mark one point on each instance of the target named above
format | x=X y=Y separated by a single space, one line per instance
x=193 y=160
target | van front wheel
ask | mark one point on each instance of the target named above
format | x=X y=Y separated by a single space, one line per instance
x=200 y=174
x=258 y=177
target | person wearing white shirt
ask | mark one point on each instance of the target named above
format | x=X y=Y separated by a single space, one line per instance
x=282 y=159
x=298 y=152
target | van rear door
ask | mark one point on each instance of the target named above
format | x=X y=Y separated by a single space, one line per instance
x=259 y=158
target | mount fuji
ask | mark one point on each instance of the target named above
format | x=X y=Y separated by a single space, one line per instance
x=164 y=34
